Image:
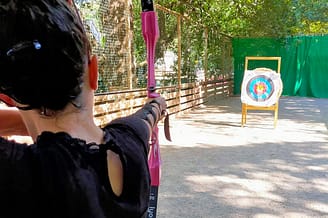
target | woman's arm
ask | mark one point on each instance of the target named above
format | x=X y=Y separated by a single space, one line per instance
x=149 y=115
x=11 y=122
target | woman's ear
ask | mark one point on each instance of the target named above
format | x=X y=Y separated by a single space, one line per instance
x=93 y=72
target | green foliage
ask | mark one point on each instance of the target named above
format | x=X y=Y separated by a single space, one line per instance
x=138 y=41
x=257 y=18
x=311 y=17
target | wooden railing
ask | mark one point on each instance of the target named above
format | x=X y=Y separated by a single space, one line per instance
x=122 y=103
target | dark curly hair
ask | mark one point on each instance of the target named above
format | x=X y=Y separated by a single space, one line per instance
x=43 y=52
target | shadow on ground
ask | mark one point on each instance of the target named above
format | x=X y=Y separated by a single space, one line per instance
x=215 y=168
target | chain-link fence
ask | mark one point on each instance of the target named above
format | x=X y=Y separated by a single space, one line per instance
x=186 y=51
x=108 y=24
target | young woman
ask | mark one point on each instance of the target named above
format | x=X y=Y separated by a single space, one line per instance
x=74 y=169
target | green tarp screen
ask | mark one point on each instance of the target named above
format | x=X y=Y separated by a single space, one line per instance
x=304 y=62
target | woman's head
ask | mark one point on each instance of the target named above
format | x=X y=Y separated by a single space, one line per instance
x=43 y=52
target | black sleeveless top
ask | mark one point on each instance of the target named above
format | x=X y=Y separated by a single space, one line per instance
x=64 y=177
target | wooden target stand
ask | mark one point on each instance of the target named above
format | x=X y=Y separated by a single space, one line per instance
x=274 y=107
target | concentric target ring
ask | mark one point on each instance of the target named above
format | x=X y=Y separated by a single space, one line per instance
x=260 y=88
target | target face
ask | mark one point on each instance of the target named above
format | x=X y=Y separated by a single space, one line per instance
x=261 y=88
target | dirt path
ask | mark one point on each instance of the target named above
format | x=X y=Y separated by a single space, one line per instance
x=215 y=168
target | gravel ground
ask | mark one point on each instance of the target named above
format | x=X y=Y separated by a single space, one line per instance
x=215 y=168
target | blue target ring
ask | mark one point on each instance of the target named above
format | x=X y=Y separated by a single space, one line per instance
x=260 y=88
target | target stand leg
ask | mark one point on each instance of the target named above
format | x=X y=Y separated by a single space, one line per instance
x=276 y=115
x=243 y=114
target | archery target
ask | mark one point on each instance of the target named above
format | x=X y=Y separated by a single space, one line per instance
x=261 y=87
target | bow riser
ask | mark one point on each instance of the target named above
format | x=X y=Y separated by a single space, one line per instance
x=150 y=33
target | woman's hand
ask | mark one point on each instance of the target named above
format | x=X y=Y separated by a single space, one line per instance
x=160 y=104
